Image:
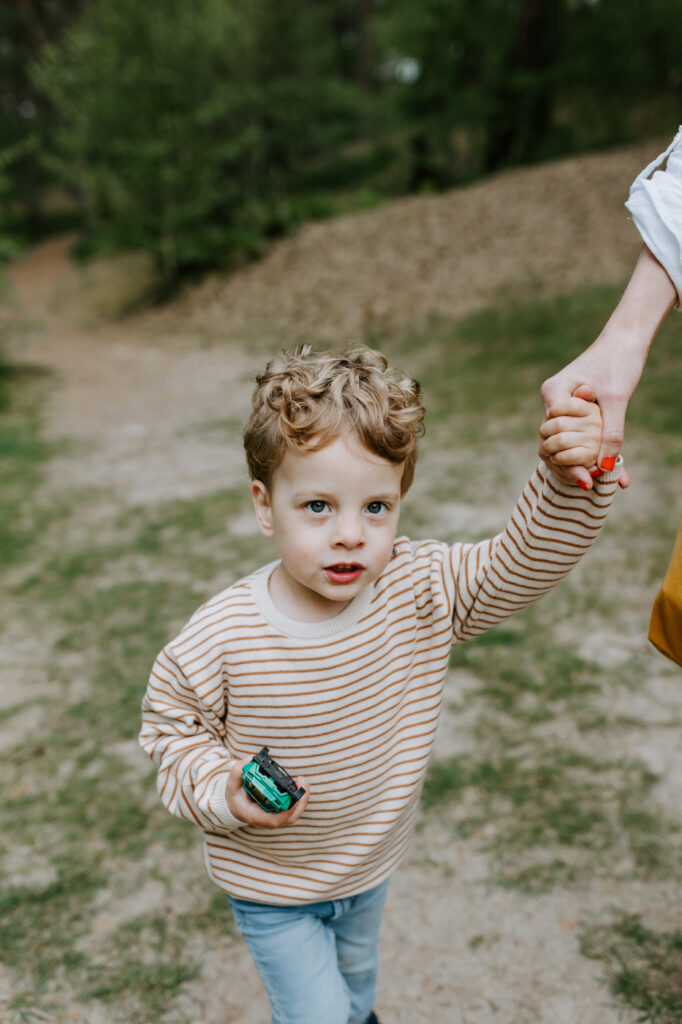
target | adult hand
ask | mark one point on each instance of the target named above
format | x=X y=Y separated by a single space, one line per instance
x=247 y=810
x=595 y=375
x=613 y=364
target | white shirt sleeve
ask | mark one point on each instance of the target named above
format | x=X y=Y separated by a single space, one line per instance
x=655 y=203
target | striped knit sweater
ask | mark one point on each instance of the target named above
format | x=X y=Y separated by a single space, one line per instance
x=351 y=703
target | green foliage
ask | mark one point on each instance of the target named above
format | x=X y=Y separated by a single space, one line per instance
x=10 y=157
x=481 y=94
x=23 y=454
x=600 y=90
x=522 y=81
x=197 y=130
x=515 y=345
x=180 y=123
x=644 y=966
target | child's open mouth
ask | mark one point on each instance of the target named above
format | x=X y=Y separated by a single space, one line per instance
x=344 y=572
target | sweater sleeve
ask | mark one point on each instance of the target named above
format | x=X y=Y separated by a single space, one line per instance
x=183 y=731
x=551 y=527
x=655 y=203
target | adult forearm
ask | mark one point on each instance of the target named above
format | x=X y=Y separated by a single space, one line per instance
x=644 y=305
x=613 y=364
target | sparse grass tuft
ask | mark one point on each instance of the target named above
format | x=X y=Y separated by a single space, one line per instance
x=32 y=918
x=525 y=673
x=154 y=984
x=643 y=966
x=23 y=454
x=486 y=369
x=546 y=801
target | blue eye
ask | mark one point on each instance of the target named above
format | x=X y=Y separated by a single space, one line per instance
x=317 y=506
x=375 y=508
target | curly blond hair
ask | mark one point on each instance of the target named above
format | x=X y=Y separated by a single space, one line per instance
x=304 y=400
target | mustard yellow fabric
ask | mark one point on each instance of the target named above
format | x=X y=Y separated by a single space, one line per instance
x=665 y=628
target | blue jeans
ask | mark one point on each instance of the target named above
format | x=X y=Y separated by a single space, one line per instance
x=318 y=961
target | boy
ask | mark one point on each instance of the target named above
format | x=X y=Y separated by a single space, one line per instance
x=334 y=657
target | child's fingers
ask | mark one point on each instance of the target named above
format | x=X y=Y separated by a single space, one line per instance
x=624 y=478
x=284 y=818
x=572 y=407
x=266 y=819
x=584 y=391
x=238 y=801
x=589 y=420
x=570 y=439
x=569 y=474
x=557 y=425
x=578 y=456
x=247 y=810
x=234 y=779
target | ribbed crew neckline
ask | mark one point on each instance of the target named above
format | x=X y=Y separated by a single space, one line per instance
x=350 y=616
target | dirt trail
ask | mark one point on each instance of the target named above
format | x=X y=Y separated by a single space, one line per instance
x=136 y=405
x=143 y=405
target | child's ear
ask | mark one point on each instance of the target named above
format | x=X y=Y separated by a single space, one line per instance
x=262 y=508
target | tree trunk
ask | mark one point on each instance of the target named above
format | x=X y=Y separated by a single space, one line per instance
x=523 y=101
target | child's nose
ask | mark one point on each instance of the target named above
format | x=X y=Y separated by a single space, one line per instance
x=349 y=531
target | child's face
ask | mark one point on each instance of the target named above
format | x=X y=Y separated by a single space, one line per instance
x=334 y=515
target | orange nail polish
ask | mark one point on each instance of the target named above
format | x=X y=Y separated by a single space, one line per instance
x=595 y=472
x=608 y=463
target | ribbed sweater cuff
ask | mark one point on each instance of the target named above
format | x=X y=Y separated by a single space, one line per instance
x=604 y=478
x=219 y=808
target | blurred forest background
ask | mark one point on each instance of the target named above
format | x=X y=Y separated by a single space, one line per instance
x=196 y=130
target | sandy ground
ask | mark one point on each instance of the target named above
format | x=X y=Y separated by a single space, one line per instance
x=142 y=403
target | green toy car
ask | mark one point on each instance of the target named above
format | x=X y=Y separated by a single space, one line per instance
x=268 y=784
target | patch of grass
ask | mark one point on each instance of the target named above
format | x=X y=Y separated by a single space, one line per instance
x=202 y=525
x=643 y=966
x=34 y=922
x=116 y=596
x=649 y=841
x=88 y=811
x=542 y=876
x=214 y=917
x=201 y=518
x=150 y=956
x=525 y=673
x=150 y=986
x=123 y=629
x=445 y=780
x=546 y=801
x=488 y=366
x=23 y=455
